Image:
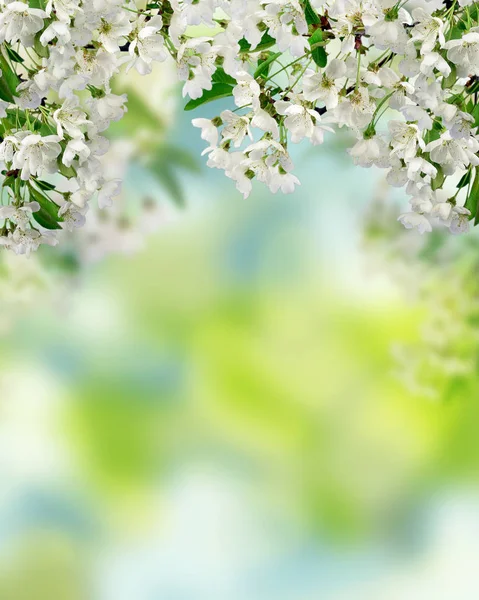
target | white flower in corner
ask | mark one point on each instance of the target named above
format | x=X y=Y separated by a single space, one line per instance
x=19 y=23
x=413 y=220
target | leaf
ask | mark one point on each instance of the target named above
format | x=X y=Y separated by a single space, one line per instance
x=437 y=182
x=8 y=80
x=39 y=48
x=310 y=14
x=449 y=81
x=455 y=33
x=47 y=216
x=319 y=53
x=218 y=90
x=465 y=179
x=14 y=55
x=263 y=67
x=68 y=172
x=219 y=76
x=44 y=185
x=472 y=89
x=434 y=133
x=475 y=114
x=472 y=200
x=266 y=42
x=5 y=93
x=9 y=182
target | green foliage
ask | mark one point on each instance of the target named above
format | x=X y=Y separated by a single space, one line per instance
x=311 y=15
x=8 y=80
x=318 y=53
x=47 y=216
x=264 y=65
x=219 y=76
x=266 y=42
x=218 y=90
x=472 y=202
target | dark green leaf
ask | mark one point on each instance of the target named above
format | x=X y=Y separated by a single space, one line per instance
x=9 y=182
x=266 y=42
x=44 y=185
x=219 y=76
x=473 y=89
x=318 y=53
x=14 y=55
x=5 y=93
x=47 y=216
x=219 y=90
x=465 y=179
x=310 y=14
x=8 y=80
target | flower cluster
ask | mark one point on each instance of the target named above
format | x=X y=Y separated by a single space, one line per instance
x=57 y=61
x=294 y=69
x=302 y=68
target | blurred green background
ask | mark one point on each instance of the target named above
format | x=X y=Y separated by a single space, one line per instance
x=274 y=398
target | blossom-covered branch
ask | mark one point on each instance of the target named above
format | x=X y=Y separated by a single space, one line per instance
x=293 y=69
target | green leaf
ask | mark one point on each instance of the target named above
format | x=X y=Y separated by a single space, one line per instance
x=472 y=200
x=319 y=53
x=39 y=48
x=44 y=185
x=437 y=182
x=263 y=66
x=8 y=80
x=449 y=81
x=5 y=93
x=472 y=89
x=68 y=172
x=9 y=182
x=266 y=42
x=310 y=14
x=455 y=33
x=465 y=179
x=47 y=216
x=14 y=55
x=475 y=114
x=434 y=133
x=219 y=90
x=219 y=76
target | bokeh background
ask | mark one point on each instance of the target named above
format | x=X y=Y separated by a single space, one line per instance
x=210 y=398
